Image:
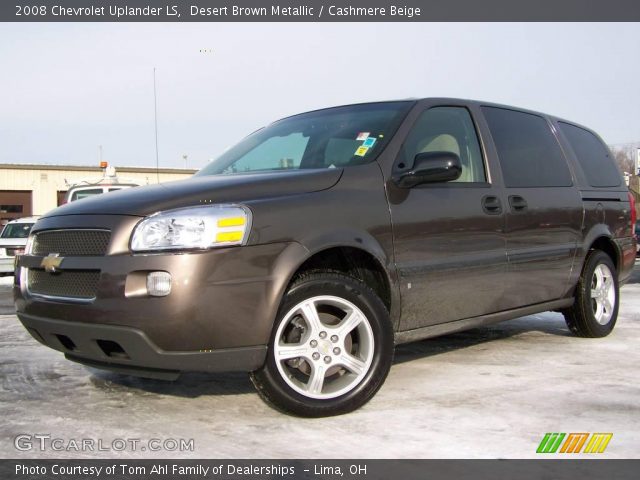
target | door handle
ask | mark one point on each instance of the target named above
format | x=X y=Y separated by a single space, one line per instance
x=518 y=204
x=491 y=205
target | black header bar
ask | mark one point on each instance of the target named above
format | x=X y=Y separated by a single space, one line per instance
x=319 y=10
x=127 y=469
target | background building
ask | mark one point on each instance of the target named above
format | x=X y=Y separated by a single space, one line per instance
x=27 y=189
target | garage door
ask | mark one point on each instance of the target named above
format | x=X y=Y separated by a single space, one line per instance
x=15 y=204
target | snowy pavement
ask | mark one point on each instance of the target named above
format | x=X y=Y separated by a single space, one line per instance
x=486 y=393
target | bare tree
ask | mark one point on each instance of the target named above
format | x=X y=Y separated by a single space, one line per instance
x=624 y=160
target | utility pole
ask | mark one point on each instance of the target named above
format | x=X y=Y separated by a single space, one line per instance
x=155 y=116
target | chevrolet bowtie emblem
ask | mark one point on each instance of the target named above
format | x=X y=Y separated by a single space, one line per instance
x=51 y=262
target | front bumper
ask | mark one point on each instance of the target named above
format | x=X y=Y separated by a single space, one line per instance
x=218 y=316
x=128 y=350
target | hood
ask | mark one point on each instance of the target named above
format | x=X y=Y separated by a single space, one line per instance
x=198 y=190
x=12 y=242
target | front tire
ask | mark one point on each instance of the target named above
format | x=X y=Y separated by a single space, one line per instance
x=331 y=348
x=595 y=310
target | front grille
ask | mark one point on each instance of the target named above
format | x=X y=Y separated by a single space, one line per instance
x=69 y=243
x=80 y=284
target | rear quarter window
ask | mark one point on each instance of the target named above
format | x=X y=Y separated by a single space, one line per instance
x=529 y=153
x=594 y=157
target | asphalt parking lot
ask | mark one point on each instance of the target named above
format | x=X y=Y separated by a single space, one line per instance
x=485 y=393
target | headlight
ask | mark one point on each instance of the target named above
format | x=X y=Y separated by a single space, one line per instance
x=29 y=246
x=193 y=228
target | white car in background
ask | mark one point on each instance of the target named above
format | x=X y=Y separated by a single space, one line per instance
x=13 y=240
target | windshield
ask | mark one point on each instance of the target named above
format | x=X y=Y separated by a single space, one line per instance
x=335 y=137
x=16 y=230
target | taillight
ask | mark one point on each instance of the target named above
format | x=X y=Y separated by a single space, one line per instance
x=632 y=204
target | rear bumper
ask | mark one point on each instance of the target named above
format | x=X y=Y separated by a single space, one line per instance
x=129 y=350
x=628 y=250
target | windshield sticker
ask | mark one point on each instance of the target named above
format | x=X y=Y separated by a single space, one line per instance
x=362 y=136
x=362 y=151
x=369 y=142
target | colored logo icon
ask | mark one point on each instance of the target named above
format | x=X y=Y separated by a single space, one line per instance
x=574 y=443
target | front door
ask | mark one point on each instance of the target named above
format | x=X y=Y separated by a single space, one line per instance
x=448 y=237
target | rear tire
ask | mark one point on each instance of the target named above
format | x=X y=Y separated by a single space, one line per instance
x=595 y=310
x=331 y=348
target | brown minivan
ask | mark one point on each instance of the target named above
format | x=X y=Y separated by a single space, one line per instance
x=307 y=251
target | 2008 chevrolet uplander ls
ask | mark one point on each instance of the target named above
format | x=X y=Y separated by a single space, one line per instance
x=304 y=253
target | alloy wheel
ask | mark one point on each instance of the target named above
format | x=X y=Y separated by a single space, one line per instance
x=603 y=294
x=324 y=347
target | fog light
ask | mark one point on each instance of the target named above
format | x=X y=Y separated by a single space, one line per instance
x=159 y=284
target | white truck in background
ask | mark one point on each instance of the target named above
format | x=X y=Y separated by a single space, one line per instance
x=108 y=183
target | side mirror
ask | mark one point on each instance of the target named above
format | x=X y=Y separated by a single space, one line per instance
x=430 y=167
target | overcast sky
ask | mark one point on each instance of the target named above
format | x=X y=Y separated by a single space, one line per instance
x=67 y=88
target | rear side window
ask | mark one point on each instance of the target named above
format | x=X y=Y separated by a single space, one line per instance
x=529 y=153
x=594 y=157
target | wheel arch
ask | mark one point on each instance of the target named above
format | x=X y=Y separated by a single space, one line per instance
x=601 y=238
x=356 y=254
x=608 y=246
